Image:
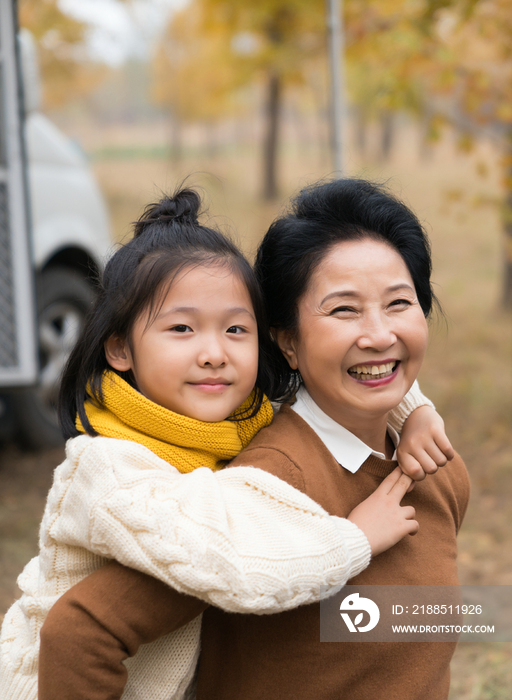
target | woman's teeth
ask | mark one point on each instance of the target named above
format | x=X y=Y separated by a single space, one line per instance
x=365 y=372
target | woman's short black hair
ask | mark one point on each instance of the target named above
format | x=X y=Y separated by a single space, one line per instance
x=321 y=216
x=168 y=238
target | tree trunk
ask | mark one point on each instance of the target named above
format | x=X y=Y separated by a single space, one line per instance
x=387 y=125
x=273 y=108
x=507 y=227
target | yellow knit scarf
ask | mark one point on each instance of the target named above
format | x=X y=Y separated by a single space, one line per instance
x=184 y=442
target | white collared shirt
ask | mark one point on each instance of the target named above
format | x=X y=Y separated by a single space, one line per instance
x=347 y=449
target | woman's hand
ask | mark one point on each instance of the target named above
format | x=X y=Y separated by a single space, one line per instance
x=381 y=517
x=424 y=446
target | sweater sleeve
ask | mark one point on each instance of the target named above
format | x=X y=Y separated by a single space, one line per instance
x=241 y=539
x=99 y=623
x=412 y=400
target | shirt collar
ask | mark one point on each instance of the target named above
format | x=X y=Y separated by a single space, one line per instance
x=347 y=449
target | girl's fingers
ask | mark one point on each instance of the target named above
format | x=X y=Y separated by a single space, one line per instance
x=387 y=484
x=412 y=467
x=445 y=446
x=398 y=486
x=411 y=524
x=429 y=465
x=425 y=461
x=412 y=527
x=409 y=512
x=435 y=453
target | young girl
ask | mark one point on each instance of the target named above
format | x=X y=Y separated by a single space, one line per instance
x=164 y=374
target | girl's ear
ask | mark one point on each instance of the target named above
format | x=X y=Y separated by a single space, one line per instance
x=287 y=344
x=118 y=353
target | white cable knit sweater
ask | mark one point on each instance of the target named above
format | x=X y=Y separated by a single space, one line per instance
x=240 y=539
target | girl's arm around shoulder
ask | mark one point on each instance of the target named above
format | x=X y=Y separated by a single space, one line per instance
x=241 y=539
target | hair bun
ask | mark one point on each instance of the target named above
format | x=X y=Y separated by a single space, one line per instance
x=183 y=207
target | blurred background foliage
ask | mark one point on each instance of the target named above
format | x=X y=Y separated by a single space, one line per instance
x=235 y=94
x=442 y=61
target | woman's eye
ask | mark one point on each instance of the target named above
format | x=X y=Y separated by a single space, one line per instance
x=342 y=309
x=181 y=328
x=400 y=302
x=235 y=329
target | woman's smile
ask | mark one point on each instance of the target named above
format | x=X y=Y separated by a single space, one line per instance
x=376 y=374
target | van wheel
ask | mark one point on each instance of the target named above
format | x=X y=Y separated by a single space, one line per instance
x=63 y=298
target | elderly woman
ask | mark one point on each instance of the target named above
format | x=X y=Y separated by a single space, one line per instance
x=346 y=277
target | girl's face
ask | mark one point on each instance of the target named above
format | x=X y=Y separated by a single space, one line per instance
x=361 y=334
x=199 y=355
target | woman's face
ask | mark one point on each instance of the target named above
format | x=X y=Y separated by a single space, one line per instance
x=361 y=332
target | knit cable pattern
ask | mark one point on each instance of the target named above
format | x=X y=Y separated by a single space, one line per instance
x=240 y=538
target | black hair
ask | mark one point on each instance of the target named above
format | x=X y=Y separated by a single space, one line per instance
x=168 y=238
x=321 y=216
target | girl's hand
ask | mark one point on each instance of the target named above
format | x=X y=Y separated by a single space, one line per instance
x=381 y=517
x=424 y=446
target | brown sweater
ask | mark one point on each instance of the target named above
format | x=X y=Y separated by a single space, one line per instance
x=249 y=657
x=278 y=656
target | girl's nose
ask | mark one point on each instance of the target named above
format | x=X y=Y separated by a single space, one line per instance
x=377 y=333
x=212 y=355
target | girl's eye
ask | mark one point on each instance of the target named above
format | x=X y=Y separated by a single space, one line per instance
x=235 y=329
x=181 y=328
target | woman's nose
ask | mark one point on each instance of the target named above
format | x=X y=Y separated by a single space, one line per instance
x=212 y=354
x=377 y=333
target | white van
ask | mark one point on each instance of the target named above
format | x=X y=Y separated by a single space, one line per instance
x=70 y=240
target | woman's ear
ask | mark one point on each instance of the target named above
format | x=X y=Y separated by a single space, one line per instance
x=287 y=343
x=118 y=353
